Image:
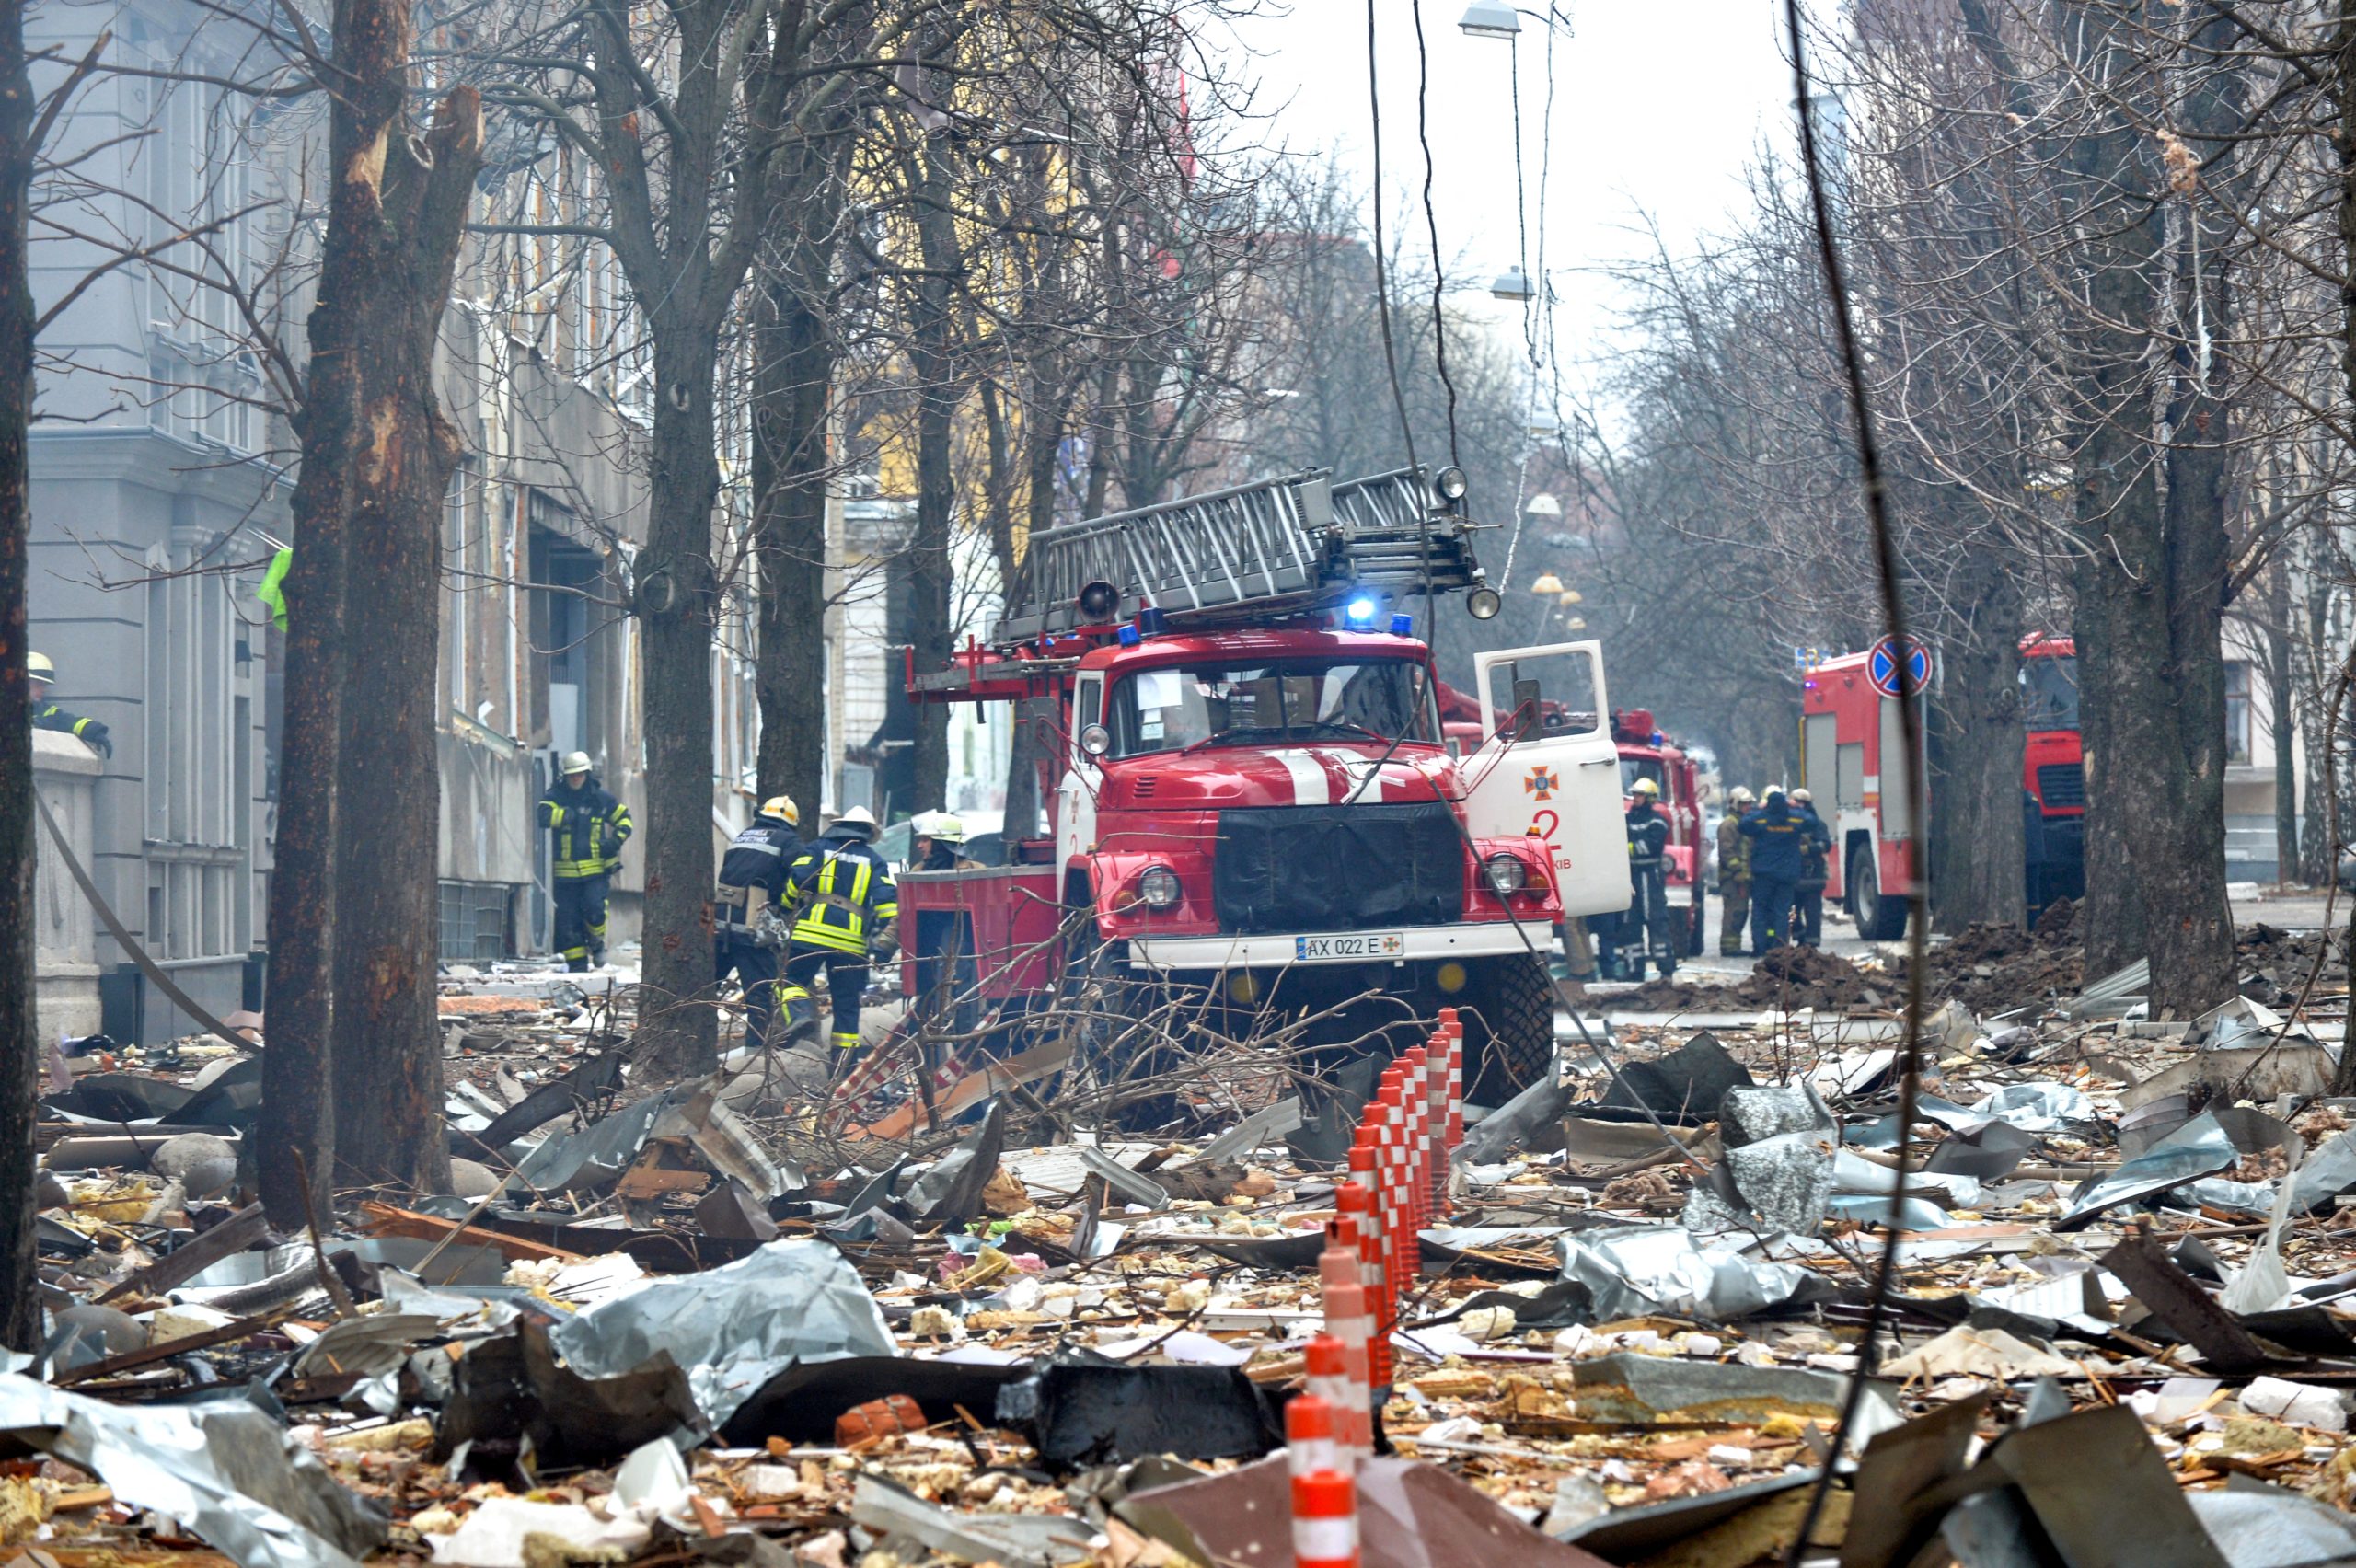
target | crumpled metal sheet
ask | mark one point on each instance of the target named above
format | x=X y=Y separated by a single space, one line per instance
x=1411 y=1515
x=2265 y=1527
x=1632 y=1273
x=1026 y=1540
x=1875 y=1209
x=2325 y=1174
x=2198 y=1148
x=600 y=1152
x=721 y=1137
x=2037 y=1107
x=734 y=1328
x=1852 y=1174
x=1627 y=1385
x=223 y=1469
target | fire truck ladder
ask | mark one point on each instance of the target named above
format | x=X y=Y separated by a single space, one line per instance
x=1280 y=547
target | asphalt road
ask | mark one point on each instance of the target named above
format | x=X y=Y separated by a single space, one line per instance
x=2293 y=911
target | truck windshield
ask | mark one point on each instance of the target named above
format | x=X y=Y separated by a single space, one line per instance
x=1277 y=700
x=2049 y=693
x=1634 y=767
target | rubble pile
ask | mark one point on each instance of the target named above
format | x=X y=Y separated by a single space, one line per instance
x=1790 y=978
x=711 y=1321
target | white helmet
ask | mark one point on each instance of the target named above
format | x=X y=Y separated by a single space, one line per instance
x=941 y=827
x=859 y=817
x=574 y=762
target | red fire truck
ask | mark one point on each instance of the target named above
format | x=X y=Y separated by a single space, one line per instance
x=1644 y=753
x=1850 y=762
x=1253 y=800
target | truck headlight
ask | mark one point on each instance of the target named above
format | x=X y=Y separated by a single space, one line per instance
x=1506 y=873
x=1158 y=887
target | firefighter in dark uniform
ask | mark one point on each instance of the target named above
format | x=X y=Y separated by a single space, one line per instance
x=1648 y=924
x=46 y=715
x=750 y=901
x=845 y=906
x=1816 y=850
x=590 y=827
x=1734 y=873
x=1777 y=834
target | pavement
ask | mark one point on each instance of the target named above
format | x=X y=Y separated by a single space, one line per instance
x=2296 y=910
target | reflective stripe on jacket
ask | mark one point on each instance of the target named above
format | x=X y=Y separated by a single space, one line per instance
x=49 y=716
x=590 y=827
x=844 y=892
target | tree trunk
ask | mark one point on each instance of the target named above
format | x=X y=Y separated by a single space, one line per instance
x=1043 y=445
x=791 y=381
x=932 y=354
x=387 y=1053
x=1977 y=850
x=374 y=454
x=20 y=1042
x=2282 y=721
x=675 y=609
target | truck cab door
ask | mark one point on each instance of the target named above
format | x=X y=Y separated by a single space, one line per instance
x=1076 y=790
x=1561 y=784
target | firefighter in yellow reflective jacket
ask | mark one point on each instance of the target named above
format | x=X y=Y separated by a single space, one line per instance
x=46 y=715
x=590 y=827
x=845 y=906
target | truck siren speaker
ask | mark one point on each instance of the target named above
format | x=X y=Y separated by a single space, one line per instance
x=1099 y=602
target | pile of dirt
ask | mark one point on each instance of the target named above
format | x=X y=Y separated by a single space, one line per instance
x=1993 y=968
x=1789 y=979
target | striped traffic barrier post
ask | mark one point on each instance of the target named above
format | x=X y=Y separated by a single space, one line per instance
x=1308 y=1436
x=1324 y=1520
x=1364 y=1177
x=1329 y=1379
x=1351 y=1328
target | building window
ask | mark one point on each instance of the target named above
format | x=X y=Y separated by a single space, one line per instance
x=2236 y=710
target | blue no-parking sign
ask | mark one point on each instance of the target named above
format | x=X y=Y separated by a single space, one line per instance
x=1881 y=666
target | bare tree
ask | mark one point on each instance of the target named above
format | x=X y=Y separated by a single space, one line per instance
x=376 y=461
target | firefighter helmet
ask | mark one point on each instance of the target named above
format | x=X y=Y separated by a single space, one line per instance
x=37 y=666
x=1741 y=795
x=942 y=828
x=1644 y=789
x=782 y=808
x=574 y=762
x=1802 y=797
x=859 y=817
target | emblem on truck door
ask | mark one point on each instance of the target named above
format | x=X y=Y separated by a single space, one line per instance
x=1543 y=783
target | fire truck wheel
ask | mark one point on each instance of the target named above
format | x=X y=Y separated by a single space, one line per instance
x=1879 y=920
x=1516 y=1001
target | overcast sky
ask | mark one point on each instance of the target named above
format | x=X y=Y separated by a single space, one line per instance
x=1656 y=109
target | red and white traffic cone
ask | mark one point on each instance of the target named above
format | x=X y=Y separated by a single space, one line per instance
x=1324 y=1520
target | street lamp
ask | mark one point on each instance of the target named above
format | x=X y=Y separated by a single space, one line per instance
x=1513 y=285
x=1490 y=19
x=1547 y=583
x=1496 y=19
x=1543 y=506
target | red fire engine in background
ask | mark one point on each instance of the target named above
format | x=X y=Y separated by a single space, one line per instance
x=1850 y=762
x=1251 y=796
